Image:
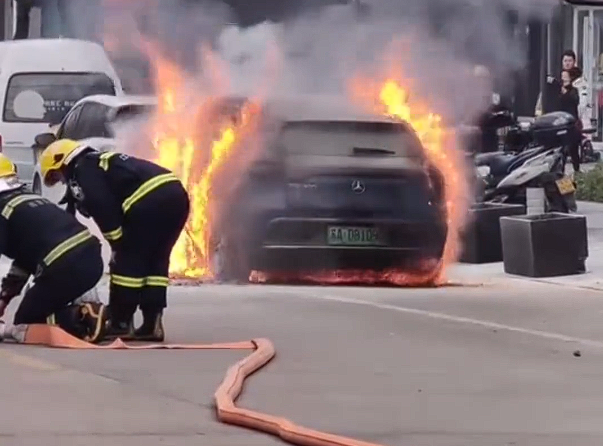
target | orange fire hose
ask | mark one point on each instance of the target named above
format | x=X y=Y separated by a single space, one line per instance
x=228 y=391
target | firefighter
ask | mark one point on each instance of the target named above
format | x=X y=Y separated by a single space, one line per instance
x=65 y=259
x=141 y=209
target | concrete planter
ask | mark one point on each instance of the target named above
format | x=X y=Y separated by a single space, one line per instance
x=482 y=238
x=545 y=245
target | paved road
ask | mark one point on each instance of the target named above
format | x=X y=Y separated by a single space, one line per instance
x=472 y=365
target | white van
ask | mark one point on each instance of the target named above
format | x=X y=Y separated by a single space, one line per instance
x=40 y=80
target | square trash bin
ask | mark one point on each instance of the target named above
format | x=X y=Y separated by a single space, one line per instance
x=545 y=245
x=482 y=238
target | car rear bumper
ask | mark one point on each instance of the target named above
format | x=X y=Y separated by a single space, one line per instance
x=306 y=258
x=300 y=244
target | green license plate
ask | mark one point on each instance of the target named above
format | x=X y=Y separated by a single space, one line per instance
x=352 y=236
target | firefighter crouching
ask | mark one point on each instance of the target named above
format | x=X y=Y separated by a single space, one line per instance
x=63 y=256
x=141 y=209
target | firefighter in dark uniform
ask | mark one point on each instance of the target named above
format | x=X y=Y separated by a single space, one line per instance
x=65 y=259
x=141 y=209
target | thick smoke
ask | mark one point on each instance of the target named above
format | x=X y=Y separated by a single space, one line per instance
x=433 y=43
x=433 y=46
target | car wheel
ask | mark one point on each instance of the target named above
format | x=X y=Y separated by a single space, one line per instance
x=37 y=186
x=229 y=263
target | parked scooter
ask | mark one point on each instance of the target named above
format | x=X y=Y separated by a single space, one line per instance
x=545 y=171
x=493 y=167
x=519 y=147
x=506 y=176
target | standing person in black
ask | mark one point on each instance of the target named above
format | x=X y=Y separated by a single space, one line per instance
x=568 y=101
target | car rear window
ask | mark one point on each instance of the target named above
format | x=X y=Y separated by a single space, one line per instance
x=129 y=118
x=349 y=139
x=129 y=112
x=47 y=97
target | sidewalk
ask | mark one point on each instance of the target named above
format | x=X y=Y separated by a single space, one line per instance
x=592 y=279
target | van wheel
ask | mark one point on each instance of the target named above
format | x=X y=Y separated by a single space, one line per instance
x=37 y=186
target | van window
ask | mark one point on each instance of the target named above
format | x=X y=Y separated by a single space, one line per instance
x=47 y=97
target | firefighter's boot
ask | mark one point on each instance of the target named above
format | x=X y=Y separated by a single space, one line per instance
x=122 y=306
x=151 y=329
x=123 y=330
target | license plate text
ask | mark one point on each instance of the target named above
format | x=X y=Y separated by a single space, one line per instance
x=352 y=236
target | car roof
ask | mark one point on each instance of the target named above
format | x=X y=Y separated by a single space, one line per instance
x=316 y=108
x=321 y=109
x=119 y=101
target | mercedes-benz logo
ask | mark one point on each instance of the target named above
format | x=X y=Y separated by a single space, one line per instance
x=358 y=187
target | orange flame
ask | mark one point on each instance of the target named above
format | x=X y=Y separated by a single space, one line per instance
x=439 y=151
x=190 y=256
x=195 y=147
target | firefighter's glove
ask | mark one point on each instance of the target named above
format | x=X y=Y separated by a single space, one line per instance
x=12 y=284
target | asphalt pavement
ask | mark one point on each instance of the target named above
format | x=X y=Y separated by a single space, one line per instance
x=473 y=365
x=490 y=359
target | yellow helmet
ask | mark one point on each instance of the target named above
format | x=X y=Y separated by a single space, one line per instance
x=7 y=167
x=8 y=175
x=55 y=156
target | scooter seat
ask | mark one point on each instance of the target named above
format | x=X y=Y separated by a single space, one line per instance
x=499 y=162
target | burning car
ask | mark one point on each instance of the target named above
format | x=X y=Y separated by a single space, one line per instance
x=329 y=189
